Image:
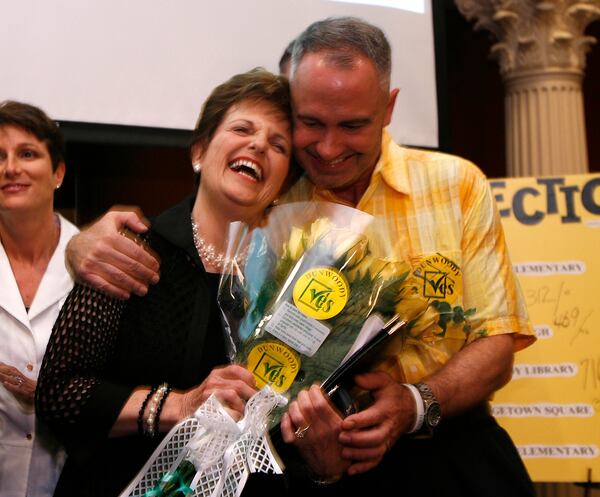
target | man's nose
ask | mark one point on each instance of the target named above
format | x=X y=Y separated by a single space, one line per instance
x=329 y=146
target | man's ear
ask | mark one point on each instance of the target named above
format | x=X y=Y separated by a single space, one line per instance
x=389 y=107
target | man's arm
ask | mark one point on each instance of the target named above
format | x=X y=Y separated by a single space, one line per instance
x=106 y=258
x=468 y=379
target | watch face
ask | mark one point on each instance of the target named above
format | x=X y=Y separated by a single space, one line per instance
x=434 y=415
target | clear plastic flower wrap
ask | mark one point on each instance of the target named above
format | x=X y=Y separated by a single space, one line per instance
x=302 y=288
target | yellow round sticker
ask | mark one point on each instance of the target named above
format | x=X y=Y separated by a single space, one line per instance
x=273 y=363
x=321 y=293
x=441 y=277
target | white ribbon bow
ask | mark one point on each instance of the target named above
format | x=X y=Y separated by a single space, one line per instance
x=222 y=451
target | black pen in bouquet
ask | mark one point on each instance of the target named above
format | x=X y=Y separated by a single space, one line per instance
x=310 y=296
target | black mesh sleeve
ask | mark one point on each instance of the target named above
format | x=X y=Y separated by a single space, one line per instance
x=72 y=396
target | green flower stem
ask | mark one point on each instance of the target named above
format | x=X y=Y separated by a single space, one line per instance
x=176 y=484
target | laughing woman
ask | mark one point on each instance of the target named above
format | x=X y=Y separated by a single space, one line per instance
x=118 y=375
x=33 y=285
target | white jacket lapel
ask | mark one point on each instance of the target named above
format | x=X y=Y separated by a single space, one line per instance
x=10 y=298
x=56 y=282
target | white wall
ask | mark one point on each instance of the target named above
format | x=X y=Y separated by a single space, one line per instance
x=153 y=62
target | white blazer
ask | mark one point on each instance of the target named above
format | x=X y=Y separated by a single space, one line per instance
x=30 y=460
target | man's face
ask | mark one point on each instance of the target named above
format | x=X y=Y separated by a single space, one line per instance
x=339 y=115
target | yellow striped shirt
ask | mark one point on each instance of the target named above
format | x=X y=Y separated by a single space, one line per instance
x=440 y=215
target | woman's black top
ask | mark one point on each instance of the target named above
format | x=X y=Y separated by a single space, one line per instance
x=101 y=349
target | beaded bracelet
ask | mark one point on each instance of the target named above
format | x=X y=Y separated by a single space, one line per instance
x=151 y=422
x=159 y=409
x=140 y=420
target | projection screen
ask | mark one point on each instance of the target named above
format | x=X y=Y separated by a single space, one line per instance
x=152 y=63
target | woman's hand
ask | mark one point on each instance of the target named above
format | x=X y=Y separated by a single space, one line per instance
x=313 y=425
x=17 y=383
x=233 y=385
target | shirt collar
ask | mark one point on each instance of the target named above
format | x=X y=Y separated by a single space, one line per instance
x=392 y=165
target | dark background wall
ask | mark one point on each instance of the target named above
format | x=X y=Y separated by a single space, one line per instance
x=150 y=168
x=110 y=165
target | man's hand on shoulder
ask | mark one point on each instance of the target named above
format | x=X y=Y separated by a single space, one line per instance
x=108 y=256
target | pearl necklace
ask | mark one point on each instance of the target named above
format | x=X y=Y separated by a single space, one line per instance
x=207 y=251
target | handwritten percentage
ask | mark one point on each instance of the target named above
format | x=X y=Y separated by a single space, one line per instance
x=581 y=330
x=567 y=318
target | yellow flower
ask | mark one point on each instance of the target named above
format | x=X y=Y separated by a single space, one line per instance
x=354 y=248
x=431 y=334
x=388 y=269
x=411 y=363
x=455 y=331
x=296 y=244
x=427 y=319
x=436 y=356
x=318 y=229
x=411 y=304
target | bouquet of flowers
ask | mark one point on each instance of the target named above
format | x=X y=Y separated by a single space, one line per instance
x=302 y=294
x=312 y=277
x=317 y=283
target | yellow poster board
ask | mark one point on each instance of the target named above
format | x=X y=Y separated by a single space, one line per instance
x=551 y=408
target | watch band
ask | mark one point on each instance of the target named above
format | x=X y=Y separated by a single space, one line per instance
x=431 y=406
x=419 y=408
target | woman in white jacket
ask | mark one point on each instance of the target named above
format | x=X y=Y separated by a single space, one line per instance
x=33 y=285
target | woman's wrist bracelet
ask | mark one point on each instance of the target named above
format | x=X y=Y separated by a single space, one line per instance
x=140 y=419
x=154 y=407
x=159 y=409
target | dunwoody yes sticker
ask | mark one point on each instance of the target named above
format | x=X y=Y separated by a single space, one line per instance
x=274 y=364
x=321 y=293
x=442 y=278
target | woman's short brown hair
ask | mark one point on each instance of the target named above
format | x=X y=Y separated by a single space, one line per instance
x=35 y=121
x=258 y=84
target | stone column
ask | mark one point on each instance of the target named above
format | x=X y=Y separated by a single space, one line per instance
x=541 y=50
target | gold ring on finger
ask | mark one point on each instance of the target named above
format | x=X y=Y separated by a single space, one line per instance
x=301 y=432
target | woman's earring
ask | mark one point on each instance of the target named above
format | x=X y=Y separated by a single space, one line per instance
x=58 y=186
x=197 y=167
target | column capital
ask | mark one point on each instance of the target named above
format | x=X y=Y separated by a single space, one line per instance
x=535 y=35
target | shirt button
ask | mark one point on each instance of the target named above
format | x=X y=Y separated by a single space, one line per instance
x=29 y=436
x=29 y=366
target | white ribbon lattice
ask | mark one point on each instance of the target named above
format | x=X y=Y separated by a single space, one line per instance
x=222 y=451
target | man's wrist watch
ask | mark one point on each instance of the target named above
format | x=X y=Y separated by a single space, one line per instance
x=433 y=411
